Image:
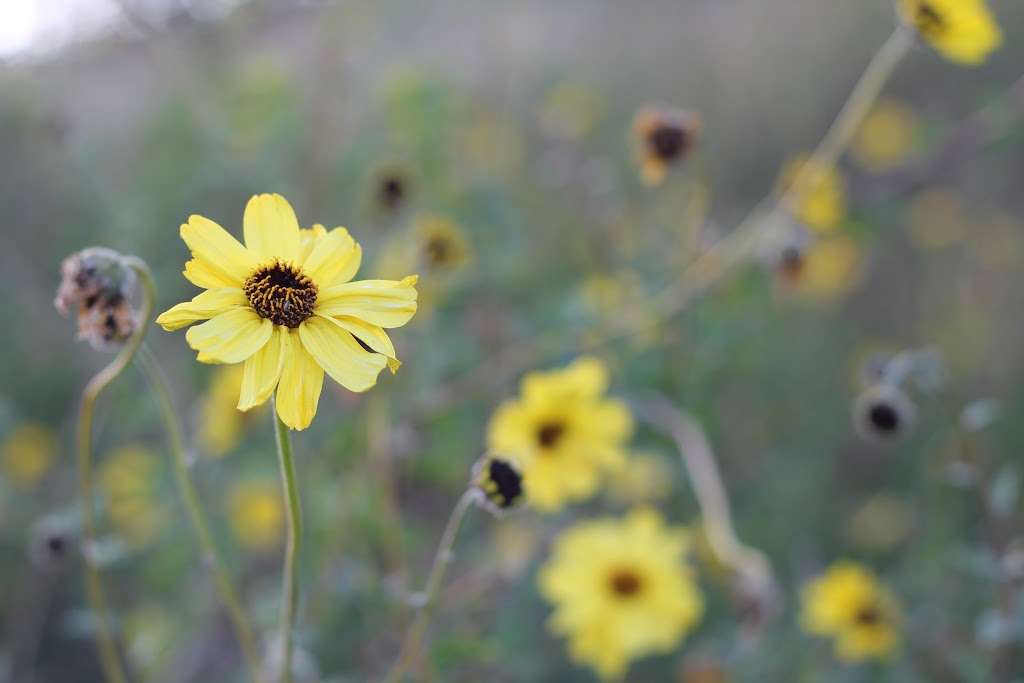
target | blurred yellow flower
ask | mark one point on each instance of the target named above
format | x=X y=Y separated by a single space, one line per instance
x=820 y=203
x=442 y=244
x=130 y=480
x=963 y=31
x=887 y=138
x=831 y=267
x=256 y=514
x=881 y=523
x=563 y=432
x=664 y=138
x=644 y=478
x=849 y=605
x=220 y=422
x=27 y=454
x=937 y=218
x=621 y=589
x=285 y=306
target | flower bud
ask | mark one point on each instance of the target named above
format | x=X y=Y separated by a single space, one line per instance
x=99 y=287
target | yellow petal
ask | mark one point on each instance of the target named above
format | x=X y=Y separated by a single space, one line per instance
x=271 y=228
x=204 y=275
x=217 y=250
x=308 y=239
x=202 y=307
x=263 y=369
x=230 y=337
x=373 y=336
x=387 y=303
x=334 y=259
x=337 y=352
x=298 y=392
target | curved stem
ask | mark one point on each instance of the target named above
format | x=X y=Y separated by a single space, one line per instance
x=293 y=513
x=113 y=671
x=414 y=637
x=236 y=614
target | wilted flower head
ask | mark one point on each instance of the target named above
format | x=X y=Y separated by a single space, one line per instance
x=884 y=413
x=665 y=137
x=499 y=482
x=849 y=605
x=963 y=31
x=98 y=285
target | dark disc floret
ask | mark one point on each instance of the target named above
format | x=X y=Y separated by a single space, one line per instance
x=501 y=483
x=281 y=293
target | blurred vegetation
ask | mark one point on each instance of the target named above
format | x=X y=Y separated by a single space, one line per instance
x=508 y=126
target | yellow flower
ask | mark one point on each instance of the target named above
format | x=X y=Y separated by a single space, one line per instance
x=664 y=138
x=563 y=432
x=442 y=244
x=220 y=422
x=284 y=305
x=963 y=31
x=828 y=268
x=849 y=605
x=130 y=479
x=887 y=138
x=621 y=589
x=821 y=201
x=256 y=514
x=28 y=453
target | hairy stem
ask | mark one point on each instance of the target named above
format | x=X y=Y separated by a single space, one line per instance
x=293 y=513
x=211 y=557
x=413 y=642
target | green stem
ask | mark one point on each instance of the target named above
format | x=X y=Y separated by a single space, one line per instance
x=110 y=661
x=413 y=642
x=236 y=614
x=293 y=513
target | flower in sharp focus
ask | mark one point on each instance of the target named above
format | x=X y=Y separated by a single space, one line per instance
x=27 y=454
x=887 y=138
x=99 y=287
x=820 y=201
x=963 y=31
x=256 y=514
x=499 y=482
x=563 y=433
x=849 y=605
x=665 y=138
x=130 y=481
x=621 y=589
x=285 y=306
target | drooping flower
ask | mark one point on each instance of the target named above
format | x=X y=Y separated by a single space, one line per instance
x=664 y=137
x=621 y=590
x=849 y=605
x=963 y=31
x=563 y=432
x=98 y=286
x=820 y=201
x=285 y=306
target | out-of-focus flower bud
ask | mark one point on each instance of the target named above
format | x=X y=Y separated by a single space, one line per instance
x=98 y=286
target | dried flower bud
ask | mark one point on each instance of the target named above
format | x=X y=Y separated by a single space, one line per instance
x=665 y=137
x=98 y=285
x=499 y=482
x=883 y=413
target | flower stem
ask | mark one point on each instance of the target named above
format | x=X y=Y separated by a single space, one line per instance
x=293 y=513
x=414 y=637
x=110 y=661
x=236 y=614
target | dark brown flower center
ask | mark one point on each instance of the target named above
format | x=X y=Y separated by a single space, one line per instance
x=667 y=141
x=391 y=191
x=625 y=583
x=438 y=250
x=550 y=433
x=869 y=615
x=281 y=293
x=928 y=20
x=884 y=417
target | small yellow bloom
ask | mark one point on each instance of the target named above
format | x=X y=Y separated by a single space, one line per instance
x=621 y=589
x=820 y=202
x=887 y=138
x=130 y=480
x=442 y=244
x=256 y=514
x=829 y=267
x=28 y=454
x=664 y=138
x=563 y=432
x=221 y=424
x=285 y=306
x=849 y=605
x=963 y=31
